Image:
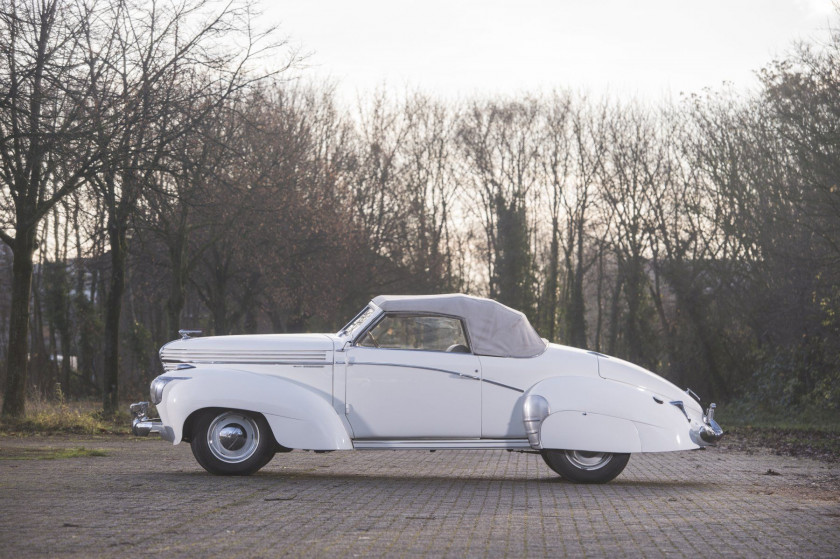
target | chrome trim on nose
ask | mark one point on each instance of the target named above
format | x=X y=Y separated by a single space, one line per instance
x=681 y=406
x=188 y=334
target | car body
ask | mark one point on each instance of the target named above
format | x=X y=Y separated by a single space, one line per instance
x=418 y=372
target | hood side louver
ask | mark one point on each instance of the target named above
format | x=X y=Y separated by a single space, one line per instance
x=171 y=358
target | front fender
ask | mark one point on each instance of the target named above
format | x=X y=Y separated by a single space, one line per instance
x=299 y=416
x=601 y=415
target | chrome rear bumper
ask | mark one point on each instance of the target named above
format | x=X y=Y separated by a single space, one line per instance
x=710 y=432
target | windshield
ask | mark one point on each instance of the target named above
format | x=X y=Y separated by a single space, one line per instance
x=427 y=333
x=358 y=321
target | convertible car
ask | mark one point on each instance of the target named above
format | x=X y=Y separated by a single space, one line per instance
x=417 y=372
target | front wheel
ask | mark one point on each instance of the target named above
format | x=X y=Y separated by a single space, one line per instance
x=228 y=442
x=586 y=467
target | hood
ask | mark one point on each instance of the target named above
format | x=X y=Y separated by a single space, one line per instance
x=623 y=371
x=253 y=349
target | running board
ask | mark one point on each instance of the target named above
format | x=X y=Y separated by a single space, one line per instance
x=441 y=444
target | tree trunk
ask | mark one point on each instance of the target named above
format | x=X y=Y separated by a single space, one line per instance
x=615 y=312
x=14 y=403
x=550 y=316
x=576 y=317
x=220 y=315
x=632 y=319
x=719 y=386
x=576 y=311
x=175 y=305
x=177 y=289
x=600 y=300
x=64 y=339
x=42 y=371
x=577 y=306
x=113 y=310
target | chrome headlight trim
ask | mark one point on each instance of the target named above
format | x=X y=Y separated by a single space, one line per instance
x=157 y=386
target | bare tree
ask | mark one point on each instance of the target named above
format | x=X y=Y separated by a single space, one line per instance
x=159 y=68
x=175 y=205
x=555 y=160
x=500 y=146
x=45 y=145
x=631 y=174
x=378 y=200
x=588 y=148
x=430 y=186
x=274 y=235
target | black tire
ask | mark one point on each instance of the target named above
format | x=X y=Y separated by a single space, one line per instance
x=232 y=442
x=586 y=467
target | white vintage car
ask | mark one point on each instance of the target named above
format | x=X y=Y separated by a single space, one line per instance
x=417 y=372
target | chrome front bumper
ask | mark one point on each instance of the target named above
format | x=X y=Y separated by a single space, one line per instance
x=141 y=424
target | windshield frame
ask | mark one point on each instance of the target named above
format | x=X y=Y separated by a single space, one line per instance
x=360 y=321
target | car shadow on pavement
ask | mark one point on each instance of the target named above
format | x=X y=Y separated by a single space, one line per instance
x=323 y=475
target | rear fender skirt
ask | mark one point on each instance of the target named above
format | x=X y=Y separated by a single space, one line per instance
x=575 y=430
x=601 y=415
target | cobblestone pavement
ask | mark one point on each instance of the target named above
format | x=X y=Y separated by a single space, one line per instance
x=148 y=497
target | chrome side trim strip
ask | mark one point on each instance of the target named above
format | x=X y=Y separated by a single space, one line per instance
x=493 y=382
x=261 y=352
x=423 y=367
x=231 y=354
x=441 y=444
x=404 y=366
x=238 y=362
x=225 y=356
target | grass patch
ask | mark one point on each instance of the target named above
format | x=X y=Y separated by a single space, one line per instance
x=52 y=453
x=83 y=417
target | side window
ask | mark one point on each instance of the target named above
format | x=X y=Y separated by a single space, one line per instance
x=426 y=333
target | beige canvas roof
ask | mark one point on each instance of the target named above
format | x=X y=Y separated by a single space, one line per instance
x=494 y=329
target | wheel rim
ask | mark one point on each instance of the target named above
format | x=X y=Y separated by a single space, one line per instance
x=233 y=437
x=588 y=460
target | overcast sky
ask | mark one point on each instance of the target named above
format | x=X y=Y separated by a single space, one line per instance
x=460 y=48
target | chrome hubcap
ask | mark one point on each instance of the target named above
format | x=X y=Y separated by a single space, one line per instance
x=233 y=437
x=588 y=460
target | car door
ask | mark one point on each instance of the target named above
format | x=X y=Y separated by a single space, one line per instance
x=413 y=376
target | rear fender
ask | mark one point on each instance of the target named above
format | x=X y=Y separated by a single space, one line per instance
x=601 y=415
x=299 y=416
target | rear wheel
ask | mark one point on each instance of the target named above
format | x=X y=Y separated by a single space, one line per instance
x=586 y=467
x=229 y=442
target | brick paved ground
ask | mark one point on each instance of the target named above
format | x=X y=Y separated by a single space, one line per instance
x=147 y=497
